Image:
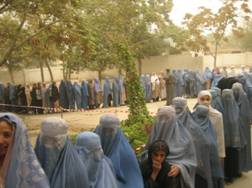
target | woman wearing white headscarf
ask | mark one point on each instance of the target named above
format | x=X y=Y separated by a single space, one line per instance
x=182 y=152
x=201 y=117
x=58 y=157
x=99 y=167
x=19 y=167
x=204 y=97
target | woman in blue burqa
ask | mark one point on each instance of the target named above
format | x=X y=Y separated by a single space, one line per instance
x=203 y=176
x=245 y=121
x=106 y=92
x=99 y=167
x=70 y=94
x=97 y=92
x=182 y=151
x=117 y=148
x=58 y=157
x=63 y=100
x=248 y=86
x=201 y=117
x=84 y=94
x=143 y=84
x=148 y=88
x=217 y=76
x=232 y=135
x=208 y=76
x=116 y=92
x=77 y=95
x=180 y=84
x=216 y=102
x=199 y=82
x=19 y=166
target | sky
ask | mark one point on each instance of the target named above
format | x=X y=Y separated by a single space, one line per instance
x=181 y=7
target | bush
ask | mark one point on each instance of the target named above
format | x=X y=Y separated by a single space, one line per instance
x=138 y=133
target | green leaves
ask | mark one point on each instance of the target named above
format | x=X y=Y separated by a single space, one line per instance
x=216 y=25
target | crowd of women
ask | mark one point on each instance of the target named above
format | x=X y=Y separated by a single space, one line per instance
x=68 y=95
x=185 y=149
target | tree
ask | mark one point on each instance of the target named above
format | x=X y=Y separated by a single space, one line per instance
x=215 y=25
x=32 y=20
x=246 y=40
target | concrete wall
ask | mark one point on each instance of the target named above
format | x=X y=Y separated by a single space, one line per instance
x=160 y=63
x=34 y=75
x=229 y=60
x=154 y=64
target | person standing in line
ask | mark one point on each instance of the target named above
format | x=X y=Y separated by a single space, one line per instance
x=58 y=157
x=53 y=96
x=19 y=166
x=28 y=94
x=106 y=92
x=169 y=82
x=208 y=76
x=216 y=118
x=99 y=167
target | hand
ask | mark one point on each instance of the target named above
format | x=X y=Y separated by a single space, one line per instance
x=174 y=171
x=156 y=167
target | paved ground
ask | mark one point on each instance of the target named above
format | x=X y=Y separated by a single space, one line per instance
x=79 y=121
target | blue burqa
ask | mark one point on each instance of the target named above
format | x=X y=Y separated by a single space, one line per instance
x=182 y=150
x=106 y=92
x=1 y=92
x=216 y=102
x=245 y=120
x=180 y=83
x=201 y=143
x=148 y=88
x=63 y=100
x=116 y=92
x=208 y=75
x=231 y=119
x=216 y=79
x=176 y=84
x=117 y=148
x=77 y=95
x=24 y=170
x=99 y=167
x=201 y=117
x=84 y=94
x=143 y=84
x=70 y=94
x=58 y=156
x=199 y=82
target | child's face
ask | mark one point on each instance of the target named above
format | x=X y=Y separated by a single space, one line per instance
x=158 y=156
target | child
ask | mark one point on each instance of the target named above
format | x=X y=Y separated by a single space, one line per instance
x=155 y=169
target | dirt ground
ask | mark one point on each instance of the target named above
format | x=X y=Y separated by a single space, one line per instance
x=80 y=121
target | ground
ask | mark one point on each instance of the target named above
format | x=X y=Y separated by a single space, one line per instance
x=79 y=121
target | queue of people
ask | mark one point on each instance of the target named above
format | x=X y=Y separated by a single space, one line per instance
x=185 y=149
x=90 y=94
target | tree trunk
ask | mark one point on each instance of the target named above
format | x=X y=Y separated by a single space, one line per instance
x=215 y=54
x=64 y=71
x=140 y=63
x=49 y=69
x=100 y=75
x=42 y=71
x=10 y=70
x=69 y=73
